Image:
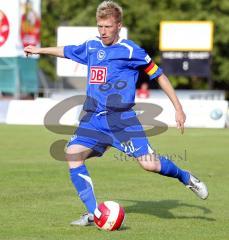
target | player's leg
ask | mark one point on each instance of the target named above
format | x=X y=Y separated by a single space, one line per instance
x=132 y=140
x=166 y=167
x=83 y=145
x=163 y=166
x=79 y=149
x=129 y=137
x=76 y=155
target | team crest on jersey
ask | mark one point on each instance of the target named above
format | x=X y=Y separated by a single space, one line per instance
x=101 y=55
x=98 y=75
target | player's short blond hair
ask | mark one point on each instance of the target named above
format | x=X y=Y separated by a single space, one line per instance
x=108 y=9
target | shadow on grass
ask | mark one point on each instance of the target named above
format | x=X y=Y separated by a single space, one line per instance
x=162 y=209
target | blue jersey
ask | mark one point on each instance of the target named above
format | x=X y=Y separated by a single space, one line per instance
x=112 y=72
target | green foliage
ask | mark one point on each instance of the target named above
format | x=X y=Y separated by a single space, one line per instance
x=142 y=20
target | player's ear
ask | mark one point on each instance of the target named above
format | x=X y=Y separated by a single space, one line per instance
x=119 y=26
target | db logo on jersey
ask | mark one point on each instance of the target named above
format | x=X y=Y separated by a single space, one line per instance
x=98 y=75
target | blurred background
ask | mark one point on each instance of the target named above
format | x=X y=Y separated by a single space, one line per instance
x=187 y=38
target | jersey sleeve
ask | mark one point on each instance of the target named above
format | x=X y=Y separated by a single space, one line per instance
x=141 y=60
x=77 y=53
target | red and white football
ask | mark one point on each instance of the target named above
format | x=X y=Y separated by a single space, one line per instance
x=109 y=216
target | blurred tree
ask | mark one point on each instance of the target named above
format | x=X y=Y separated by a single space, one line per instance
x=143 y=19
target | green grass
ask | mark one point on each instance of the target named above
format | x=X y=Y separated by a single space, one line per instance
x=37 y=200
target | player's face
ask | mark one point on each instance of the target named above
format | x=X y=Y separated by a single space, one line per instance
x=109 y=30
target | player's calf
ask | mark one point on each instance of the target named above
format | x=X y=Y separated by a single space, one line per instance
x=149 y=162
x=163 y=166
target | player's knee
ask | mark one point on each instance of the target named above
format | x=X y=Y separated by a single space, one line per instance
x=149 y=163
x=76 y=153
x=74 y=159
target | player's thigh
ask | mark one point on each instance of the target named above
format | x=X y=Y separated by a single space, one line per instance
x=82 y=147
x=140 y=149
x=128 y=134
x=133 y=145
x=76 y=155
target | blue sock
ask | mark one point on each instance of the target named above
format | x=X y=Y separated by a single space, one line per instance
x=169 y=169
x=83 y=184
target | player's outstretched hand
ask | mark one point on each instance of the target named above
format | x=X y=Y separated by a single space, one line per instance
x=180 y=119
x=29 y=50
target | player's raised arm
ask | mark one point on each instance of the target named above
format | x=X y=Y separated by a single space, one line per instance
x=169 y=90
x=53 y=51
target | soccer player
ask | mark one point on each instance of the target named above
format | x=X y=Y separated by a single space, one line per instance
x=113 y=68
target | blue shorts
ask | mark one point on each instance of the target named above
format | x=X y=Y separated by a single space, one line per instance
x=121 y=130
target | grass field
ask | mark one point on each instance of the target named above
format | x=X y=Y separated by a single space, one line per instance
x=37 y=200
